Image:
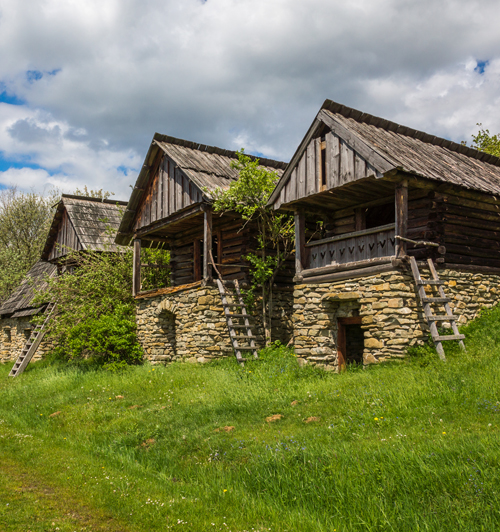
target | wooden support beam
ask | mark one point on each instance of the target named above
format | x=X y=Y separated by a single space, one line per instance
x=300 y=241
x=207 y=244
x=401 y=216
x=136 y=275
x=197 y=261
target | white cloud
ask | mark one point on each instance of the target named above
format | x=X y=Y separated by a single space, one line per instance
x=225 y=72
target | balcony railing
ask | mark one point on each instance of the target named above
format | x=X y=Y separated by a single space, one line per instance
x=352 y=247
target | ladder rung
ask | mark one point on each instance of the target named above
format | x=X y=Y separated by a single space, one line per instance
x=233 y=304
x=449 y=337
x=442 y=318
x=436 y=300
x=240 y=316
x=247 y=348
x=239 y=326
x=430 y=282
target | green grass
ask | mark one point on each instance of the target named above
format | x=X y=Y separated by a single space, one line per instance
x=410 y=446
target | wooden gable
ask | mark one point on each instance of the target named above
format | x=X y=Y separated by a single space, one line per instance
x=169 y=191
x=66 y=239
x=327 y=162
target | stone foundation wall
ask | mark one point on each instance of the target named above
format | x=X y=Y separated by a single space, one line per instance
x=189 y=323
x=391 y=314
x=14 y=333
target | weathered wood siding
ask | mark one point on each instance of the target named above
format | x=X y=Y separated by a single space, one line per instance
x=168 y=192
x=231 y=242
x=66 y=239
x=342 y=165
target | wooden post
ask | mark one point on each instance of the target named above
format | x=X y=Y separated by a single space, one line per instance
x=300 y=242
x=401 y=216
x=136 y=275
x=207 y=244
x=196 y=259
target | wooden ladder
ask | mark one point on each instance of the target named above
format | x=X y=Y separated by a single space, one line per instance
x=32 y=344
x=247 y=338
x=432 y=319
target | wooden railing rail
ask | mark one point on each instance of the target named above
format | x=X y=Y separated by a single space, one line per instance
x=353 y=234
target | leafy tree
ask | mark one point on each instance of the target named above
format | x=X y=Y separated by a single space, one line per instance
x=486 y=142
x=248 y=196
x=89 y=193
x=95 y=314
x=24 y=222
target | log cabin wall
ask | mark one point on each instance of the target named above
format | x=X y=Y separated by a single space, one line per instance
x=470 y=230
x=231 y=241
x=168 y=192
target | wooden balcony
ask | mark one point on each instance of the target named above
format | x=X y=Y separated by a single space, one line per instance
x=352 y=247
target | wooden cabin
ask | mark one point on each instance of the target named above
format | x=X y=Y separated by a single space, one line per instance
x=369 y=194
x=171 y=208
x=17 y=312
x=80 y=224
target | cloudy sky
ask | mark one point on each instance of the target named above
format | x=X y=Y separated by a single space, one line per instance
x=84 y=85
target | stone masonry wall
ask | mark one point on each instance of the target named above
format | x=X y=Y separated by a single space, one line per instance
x=190 y=324
x=392 y=316
x=14 y=332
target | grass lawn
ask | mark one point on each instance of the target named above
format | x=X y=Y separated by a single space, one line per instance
x=406 y=447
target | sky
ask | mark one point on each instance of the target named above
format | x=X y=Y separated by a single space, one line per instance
x=85 y=85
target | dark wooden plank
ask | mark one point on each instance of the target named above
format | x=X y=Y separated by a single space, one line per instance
x=207 y=243
x=401 y=217
x=346 y=174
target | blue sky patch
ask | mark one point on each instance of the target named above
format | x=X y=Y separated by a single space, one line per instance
x=9 y=97
x=481 y=66
x=124 y=170
x=33 y=75
x=6 y=164
x=12 y=99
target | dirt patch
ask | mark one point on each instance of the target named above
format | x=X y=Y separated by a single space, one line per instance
x=311 y=419
x=275 y=417
x=224 y=429
x=55 y=414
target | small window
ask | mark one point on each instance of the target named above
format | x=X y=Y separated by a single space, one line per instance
x=7 y=335
x=323 y=163
x=27 y=334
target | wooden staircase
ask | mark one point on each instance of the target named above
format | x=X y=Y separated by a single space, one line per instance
x=432 y=319
x=32 y=344
x=232 y=301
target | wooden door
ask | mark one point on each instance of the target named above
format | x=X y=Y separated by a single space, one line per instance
x=342 y=345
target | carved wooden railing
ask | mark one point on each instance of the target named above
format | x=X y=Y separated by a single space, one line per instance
x=352 y=247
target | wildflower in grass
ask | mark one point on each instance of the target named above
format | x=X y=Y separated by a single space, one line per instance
x=224 y=491
x=375 y=418
x=444 y=432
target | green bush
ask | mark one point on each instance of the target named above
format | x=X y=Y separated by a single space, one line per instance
x=109 y=340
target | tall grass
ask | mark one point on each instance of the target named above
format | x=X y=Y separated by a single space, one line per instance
x=402 y=446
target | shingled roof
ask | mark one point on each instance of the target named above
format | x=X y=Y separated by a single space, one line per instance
x=397 y=147
x=208 y=167
x=93 y=220
x=20 y=302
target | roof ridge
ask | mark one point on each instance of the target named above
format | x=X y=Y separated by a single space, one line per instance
x=388 y=125
x=218 y=151
x=95 y=200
